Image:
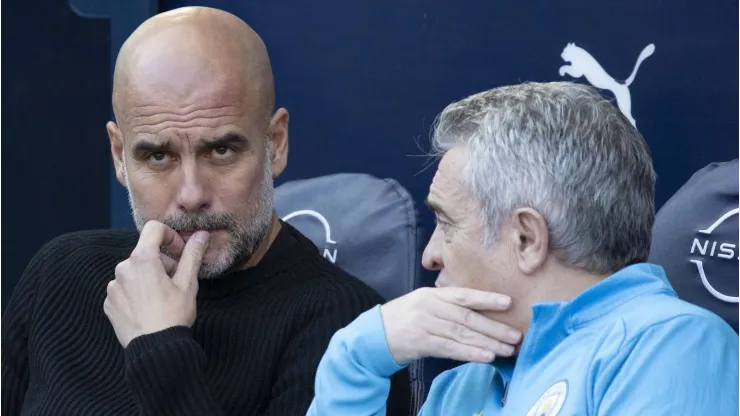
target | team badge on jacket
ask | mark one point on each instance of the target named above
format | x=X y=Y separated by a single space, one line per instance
x=551 y=401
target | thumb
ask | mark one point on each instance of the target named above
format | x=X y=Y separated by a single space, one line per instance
x=190 y=260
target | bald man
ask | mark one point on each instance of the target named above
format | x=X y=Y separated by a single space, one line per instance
x=212 y=306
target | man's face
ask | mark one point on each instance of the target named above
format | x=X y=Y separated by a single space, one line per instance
x=456 y=248
x=199 y=162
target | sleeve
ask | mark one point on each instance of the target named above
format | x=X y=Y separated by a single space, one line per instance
x=15 y=329
x=685 y=366
x=353 y=377
x=165 y=372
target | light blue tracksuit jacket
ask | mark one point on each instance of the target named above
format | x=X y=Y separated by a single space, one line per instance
x=624 y=347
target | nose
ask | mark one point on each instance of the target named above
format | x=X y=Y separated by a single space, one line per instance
x=193 y=194
x=432 y=257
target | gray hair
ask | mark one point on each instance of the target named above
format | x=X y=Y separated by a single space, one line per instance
x=564 y=150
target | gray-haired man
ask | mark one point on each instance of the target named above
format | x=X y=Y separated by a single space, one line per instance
x=544 y=204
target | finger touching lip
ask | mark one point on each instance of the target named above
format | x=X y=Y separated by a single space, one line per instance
x=185 y=235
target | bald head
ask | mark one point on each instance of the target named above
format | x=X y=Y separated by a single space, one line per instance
x=191 y=54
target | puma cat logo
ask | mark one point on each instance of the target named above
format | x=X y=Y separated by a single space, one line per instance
x=582 y=64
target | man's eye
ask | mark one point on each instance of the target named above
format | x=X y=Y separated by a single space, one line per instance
x=441 y=224
x=222 y=152
x=158 y=157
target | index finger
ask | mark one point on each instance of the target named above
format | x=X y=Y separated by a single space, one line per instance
x=477 y=323
x=186 y=275
x=478 y=300
x=155 y=235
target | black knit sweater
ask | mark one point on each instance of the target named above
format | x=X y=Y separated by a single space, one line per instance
x=254 y=348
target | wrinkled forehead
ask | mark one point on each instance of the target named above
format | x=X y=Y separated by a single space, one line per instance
x=449 y=189
x=158 y=87
x=209 y=109
x=147 y=96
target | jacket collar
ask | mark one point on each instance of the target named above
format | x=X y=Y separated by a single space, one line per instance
x=553 y=321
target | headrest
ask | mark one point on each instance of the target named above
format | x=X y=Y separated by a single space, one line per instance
x=365 y=225
x=695 y=239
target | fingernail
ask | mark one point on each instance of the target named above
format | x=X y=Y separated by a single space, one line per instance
x=201 y=237
x=513 y=335
x=503 y=301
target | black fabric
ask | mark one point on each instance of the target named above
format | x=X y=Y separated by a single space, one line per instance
x=253 y=350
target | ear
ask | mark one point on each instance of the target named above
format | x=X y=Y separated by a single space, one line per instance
x=278 y=134
x=532 y=239
x=116 y=149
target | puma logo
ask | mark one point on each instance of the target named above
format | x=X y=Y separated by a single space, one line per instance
x=582 y=64
x=478 y=414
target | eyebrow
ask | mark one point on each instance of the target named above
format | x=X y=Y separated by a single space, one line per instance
x=144 y=147
x=227 y=140
x=434 y=207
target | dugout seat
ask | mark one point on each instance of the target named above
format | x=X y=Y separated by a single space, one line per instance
x=695 y=239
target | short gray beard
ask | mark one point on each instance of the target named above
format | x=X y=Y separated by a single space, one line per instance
x=245 y=235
